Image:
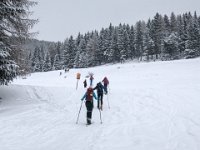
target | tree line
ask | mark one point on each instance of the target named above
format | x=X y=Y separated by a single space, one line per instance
x=161 y=38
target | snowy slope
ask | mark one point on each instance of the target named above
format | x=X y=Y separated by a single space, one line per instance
x=153 y=106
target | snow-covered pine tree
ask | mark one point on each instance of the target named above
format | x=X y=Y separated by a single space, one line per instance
x=139 y=39
x=71 y=50
x=157 y=33
x=181 y=35
x=171 y=47
x=47 y=62
x=91 y=47
x=132 y=43
x=167 y=27
x=97 y=54
x=52 y=52
x=36 y=60
x=81 y=58
x=114 y=51
x=193 y=41
x=173 y=23
x=57 y=63
x=148 y=44
x=65 y=53
x=107 y=43
x=8 y=68
x=14 y=26
x=58 y=57
x=126 y=30
x=100 y=55
x=120 y=43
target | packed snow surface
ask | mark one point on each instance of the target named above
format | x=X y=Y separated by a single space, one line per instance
x=153 y=106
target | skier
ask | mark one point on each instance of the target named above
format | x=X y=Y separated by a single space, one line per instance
x=91 y=79
x=105 y=82
x=88 y=96
x=99 y=87
x=85 y=83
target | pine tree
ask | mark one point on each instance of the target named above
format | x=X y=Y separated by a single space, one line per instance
x=120 y=43
x=36 y=60
x=114 y=52
x=109 y=51
x=91 y=48
x=57 y=63
x=139 y=39
x=126 y=39
x=101 y=58
x=81 y=58
x=72 y=51
x=171 y=47
x=148 y=44
x=47 y=63
x=14 y=26
x=173 y=23
x=193 y=41
x=107 y=43
x=8 y=68
x=180 y=34
x=132 y=43
x=157 y=33
x=167 y=26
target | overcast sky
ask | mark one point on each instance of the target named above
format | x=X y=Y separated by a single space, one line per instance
x=58 y=19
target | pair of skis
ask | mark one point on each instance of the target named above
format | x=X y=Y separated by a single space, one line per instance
x=88 y=124
x=99 y=111
x=80 y=111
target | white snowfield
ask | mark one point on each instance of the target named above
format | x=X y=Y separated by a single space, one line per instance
x=153 y=106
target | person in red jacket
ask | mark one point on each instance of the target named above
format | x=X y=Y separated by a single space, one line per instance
x=105 y=84
x=88 y=96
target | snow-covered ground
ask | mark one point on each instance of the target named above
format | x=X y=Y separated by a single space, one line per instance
x=153 y=106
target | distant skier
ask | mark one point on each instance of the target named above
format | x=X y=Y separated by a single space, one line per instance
x=85 y=83
x=91 y=79
x=105 y=83
x=88 y=96
x=99 y=87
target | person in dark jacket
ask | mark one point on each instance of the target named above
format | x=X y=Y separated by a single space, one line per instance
x=105 y=83
x=88 y=96
x=99 y=87
x=85 y=83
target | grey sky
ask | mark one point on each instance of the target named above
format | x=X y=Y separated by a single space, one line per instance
x=61 y=18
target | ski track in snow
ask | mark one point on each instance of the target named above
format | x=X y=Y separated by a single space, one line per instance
x=151 y=109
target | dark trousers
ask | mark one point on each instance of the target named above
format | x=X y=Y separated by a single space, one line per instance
x=89 y=106
x=100 y=100
x=106 y=88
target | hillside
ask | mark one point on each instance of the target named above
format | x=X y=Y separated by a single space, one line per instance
x=153 y=106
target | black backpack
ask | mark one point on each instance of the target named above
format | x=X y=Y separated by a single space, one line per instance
x=99 y=88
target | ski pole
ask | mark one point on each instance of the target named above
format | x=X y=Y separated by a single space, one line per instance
x=108 y=102
x=77 y=84
x=100 y=116
x=79 y=113
x=109 y=88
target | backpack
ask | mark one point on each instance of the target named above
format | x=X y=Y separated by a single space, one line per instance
x=99 y=88
x=89 y=95
x=105 y=81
